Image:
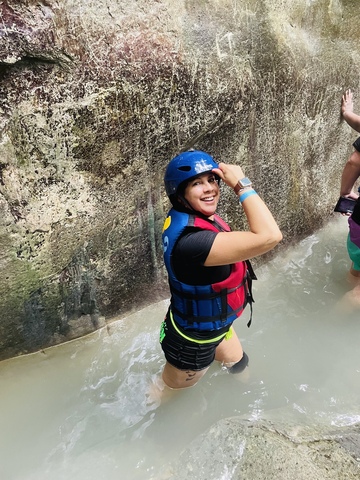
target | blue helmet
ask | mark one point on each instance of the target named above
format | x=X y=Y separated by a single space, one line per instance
x=185 y=166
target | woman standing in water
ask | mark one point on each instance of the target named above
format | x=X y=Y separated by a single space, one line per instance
x=208 y=268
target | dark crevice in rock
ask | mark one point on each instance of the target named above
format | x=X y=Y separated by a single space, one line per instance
x=29 y=61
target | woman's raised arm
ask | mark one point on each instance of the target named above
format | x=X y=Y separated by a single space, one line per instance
x=263 y=235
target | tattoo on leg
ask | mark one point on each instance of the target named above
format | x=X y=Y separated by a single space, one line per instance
x=190 y=375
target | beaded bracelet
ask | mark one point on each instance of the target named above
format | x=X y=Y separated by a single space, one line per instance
x=246 y=194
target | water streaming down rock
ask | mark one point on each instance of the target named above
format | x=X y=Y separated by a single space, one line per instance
x=89 y=407
x=96 y=97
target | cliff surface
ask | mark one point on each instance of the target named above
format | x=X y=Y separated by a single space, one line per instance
x=96 y=97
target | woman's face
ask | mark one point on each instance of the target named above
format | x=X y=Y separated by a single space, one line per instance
x=203 y=193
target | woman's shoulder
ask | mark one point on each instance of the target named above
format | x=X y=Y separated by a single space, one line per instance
x=194 y=240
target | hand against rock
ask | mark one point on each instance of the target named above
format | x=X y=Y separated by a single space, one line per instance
x=347 y=104
x=352 y=195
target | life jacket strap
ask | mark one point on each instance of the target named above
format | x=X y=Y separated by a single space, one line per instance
x=224 y=305
x=207 y=295
x=201 y=342
x=250 y=276
x=190 y=318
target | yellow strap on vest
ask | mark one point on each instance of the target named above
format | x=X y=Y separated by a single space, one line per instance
x=227 y=335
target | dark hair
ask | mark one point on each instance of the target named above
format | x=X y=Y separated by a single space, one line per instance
x=180 y=192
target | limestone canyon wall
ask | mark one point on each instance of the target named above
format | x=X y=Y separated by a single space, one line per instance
x=97 y=96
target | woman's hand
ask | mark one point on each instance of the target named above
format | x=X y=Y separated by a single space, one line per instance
x=230 y=174
x=347 y=110
x=347 y=103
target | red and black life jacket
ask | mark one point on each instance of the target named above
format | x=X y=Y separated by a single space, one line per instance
x=205 y=307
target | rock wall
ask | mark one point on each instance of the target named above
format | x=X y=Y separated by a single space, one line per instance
x=97 y=96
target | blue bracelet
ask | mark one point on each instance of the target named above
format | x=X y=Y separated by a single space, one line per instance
x=246 y=194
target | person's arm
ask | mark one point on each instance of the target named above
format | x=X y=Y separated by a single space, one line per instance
x=347 y=110
x=264 y=234
x=351 y=170
x=349 y=175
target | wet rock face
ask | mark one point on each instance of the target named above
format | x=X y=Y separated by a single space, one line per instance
x=96 y=97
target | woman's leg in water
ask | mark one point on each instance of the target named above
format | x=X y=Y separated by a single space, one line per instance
x=175 y=378
x=351 y=300
x=229 y=351
x=231 y=354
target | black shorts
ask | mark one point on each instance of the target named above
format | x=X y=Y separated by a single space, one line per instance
x=188 y=350
x=356 y=144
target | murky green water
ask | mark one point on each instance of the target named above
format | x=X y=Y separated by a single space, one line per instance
x=83 y=410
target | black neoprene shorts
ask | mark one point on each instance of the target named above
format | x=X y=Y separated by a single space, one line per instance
x=186 y=354
x=356 y=144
